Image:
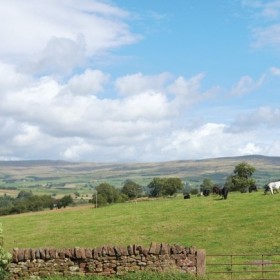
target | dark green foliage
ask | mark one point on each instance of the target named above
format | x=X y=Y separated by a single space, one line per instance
x=24 y=202
x=194 y=191
x=206 y=185
x=66 y=200
x=131 y=189
x=107 y=194
x=165 y=186
x=5 y=257
x=24 y=195
x=241 y=179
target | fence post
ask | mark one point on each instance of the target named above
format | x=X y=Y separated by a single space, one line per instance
x=200 y=262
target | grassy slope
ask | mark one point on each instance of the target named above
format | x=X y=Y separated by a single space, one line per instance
x=245 y=223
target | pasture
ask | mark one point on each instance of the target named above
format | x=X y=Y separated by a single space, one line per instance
x=244 y=223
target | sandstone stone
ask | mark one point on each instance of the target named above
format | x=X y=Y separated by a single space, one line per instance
x=130 y=250
x=53 y=253
x=118 y=252
x=37 y=254
x=42 y=253
x=20 y=255
x=74 y=268
x=47 y=254
x=88 y=253
x=15 y=255
x=104 y=260
x=152 y=249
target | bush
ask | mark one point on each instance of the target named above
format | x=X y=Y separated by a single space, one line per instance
x=5 y=257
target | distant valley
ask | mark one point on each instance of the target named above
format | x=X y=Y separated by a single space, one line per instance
x=52 y=176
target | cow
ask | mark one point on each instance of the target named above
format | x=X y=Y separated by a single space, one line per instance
x=224 y=192
x=216 y=190
x=187 y=196
x=253 y=188
x=272 y=187
x=206 y=192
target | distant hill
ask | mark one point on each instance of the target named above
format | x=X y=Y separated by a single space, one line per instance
x=193 y=171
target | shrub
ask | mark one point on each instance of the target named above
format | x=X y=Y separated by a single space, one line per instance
x=5 y=257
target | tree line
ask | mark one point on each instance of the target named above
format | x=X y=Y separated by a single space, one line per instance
x=106 y=194
x=26 y=201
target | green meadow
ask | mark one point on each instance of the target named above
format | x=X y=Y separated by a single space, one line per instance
x=244 y=223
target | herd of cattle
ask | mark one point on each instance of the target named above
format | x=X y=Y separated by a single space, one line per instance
x=216 y=190
x=272 y=187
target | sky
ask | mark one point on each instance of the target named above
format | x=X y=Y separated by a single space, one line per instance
x=139 y=81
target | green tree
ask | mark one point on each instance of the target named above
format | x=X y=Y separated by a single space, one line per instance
x=207 y=184
x=107 y=194
x=66 y=200
x=165 y=186
x=24 y=194
x=241 y=179
x=131 y=189
x=156 y=187
x=172 y=186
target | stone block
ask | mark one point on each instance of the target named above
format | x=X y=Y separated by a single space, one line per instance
x=53 y=253
x=88 y=253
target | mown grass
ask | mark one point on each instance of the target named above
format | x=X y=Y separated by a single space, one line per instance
x=244 y=223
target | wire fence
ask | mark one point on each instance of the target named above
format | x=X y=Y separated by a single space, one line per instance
x=243 y=266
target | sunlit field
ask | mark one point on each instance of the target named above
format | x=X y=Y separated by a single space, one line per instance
x=244 y=223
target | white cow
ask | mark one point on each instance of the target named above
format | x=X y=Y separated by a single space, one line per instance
x=273 y=186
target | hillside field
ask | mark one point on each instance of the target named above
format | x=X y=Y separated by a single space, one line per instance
x=244 y=223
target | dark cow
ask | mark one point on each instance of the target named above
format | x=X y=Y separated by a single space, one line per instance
x=216 y=190
x=206 y=192
x=266 y=189
x=224 y=192
x=253 y=188
x=187 y=196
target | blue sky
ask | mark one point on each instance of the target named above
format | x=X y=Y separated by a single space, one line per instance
x=139 y=81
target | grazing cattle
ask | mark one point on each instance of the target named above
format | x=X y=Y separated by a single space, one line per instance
x=187 y=196
x=253 y=188
x=224 y=192
x=206 y=192
x=272 y=187
x=216 y=190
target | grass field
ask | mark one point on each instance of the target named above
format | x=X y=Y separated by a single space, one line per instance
x=244 y=223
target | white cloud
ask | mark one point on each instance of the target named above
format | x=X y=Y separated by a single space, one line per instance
x=275 y=71
x=207 y=141
x=78 y=123
x=60 y=57
x=246 y=85
x=56 y=103
x=89 y=82
x=265 y=26
x=77 y=150
x=10 y=79
x=250 y=149
x=58 y=35
x=138 y=83
x=267 y=36
x=263 y=116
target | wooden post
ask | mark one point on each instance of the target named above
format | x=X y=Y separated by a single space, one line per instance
x=200 y=262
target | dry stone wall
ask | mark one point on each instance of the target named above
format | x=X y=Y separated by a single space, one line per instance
x=105 y=260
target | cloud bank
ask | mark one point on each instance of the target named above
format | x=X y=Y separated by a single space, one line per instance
x=56 y=104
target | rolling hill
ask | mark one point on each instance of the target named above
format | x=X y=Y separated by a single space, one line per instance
x=24 y=174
